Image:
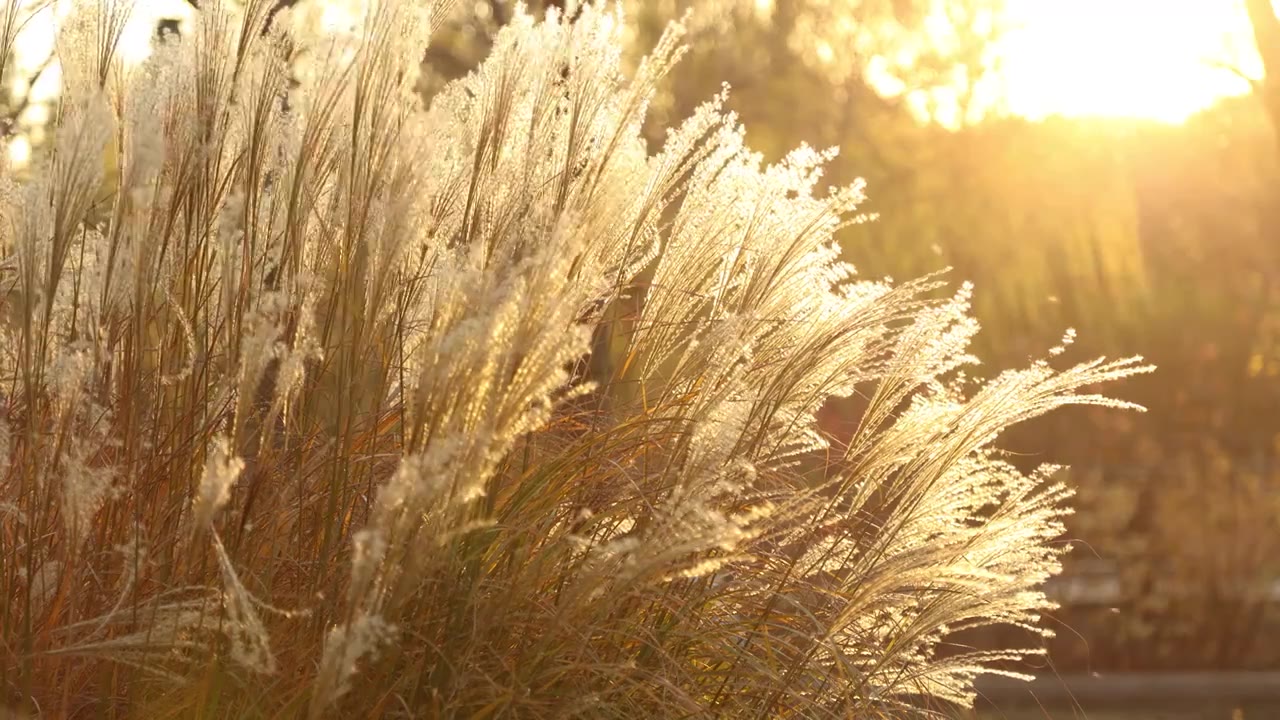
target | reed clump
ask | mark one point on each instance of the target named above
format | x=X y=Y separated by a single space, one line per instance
x=315 y=400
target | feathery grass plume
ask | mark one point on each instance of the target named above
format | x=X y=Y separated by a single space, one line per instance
x=509 y=414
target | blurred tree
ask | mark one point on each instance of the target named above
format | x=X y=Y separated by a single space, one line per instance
x=1266 y=34
x=1265 y=306
x=834 y=72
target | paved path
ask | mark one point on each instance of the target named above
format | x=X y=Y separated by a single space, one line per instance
x=1139 y=696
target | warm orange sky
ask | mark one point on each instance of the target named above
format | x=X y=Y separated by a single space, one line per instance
x=1129 y=58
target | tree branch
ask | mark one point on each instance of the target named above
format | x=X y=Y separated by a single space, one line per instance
x=1234 y=69
x=1266 y=33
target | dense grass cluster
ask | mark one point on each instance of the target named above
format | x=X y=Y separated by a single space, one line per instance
x=327 y=402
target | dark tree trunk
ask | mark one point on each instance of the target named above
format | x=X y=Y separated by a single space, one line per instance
x=1266 y=33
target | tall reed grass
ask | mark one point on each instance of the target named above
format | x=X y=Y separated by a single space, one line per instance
x=329 y=403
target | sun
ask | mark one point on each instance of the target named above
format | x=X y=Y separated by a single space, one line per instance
x=1156 y=59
